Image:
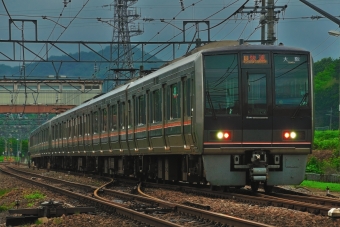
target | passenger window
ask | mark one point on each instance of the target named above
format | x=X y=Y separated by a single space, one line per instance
x=141 y=110
x=175 y=104
x=80 y=125
x=130 y=120
x=65 y=130
x=53 y=133
x=114 y=117
x=104 y=119
x=156 y=106
x=95 y=122
x=76 y=125
x=187 y=99
x=121 y=115
x=69 y=129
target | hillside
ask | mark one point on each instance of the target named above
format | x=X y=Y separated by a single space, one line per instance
x=75 y=69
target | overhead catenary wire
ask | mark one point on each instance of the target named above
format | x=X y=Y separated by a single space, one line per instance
x=8 y=14
x=25 y=76
x=187 y=28
x=122 y=54
x=66 y=27
x=194 y=26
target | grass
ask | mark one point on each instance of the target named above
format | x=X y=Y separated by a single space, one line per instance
x=6 y=207
x=333 y=187
x=3 y=208
x=4 y=191
x=38 y=222
x=58 y=221
x=33 y=196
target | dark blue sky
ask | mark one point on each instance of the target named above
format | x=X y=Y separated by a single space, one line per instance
x=295 y=26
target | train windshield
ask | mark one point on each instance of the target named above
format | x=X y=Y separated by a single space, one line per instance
x=221 y=84
x=291 y=80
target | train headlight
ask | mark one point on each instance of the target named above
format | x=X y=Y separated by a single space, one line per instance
x=289 y=135
x=293 y=135
x=220 y=135
x=223 y=135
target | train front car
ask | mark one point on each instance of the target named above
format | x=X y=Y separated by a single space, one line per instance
x=258 y=115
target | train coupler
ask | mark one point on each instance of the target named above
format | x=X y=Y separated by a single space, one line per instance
x=258 y=174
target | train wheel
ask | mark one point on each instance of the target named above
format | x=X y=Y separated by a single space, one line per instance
x=254 y=186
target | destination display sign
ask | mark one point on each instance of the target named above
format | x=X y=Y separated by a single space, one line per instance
x=255 y=58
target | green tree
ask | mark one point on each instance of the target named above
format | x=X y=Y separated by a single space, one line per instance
x=326 y=92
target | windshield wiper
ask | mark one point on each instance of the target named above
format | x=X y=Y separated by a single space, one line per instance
x=300 y=104
x=211 y=105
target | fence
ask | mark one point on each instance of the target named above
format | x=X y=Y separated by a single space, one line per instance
x=332 y=178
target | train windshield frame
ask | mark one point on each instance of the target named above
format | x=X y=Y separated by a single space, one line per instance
x=288 y=74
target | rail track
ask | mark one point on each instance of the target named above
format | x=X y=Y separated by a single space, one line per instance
x=145 y=209
x=306 y=203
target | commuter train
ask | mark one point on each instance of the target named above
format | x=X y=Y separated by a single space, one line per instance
x=231 y=115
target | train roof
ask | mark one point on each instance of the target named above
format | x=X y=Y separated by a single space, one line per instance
x=214 y=47
x=247 y=47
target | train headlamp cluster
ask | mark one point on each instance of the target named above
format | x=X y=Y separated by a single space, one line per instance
x=289 y=135
x=223 y=135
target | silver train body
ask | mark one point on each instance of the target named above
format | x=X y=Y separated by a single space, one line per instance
x=231 y=116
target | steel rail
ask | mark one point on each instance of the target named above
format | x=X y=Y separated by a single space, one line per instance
x=109 y=207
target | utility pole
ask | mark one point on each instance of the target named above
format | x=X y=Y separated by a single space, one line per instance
x=263 y=23
x=271 y=21
x=268 y=18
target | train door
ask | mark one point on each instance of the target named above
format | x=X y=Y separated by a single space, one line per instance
x=256 y=115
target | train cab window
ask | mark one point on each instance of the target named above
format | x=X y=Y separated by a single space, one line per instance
x=104 y=119
x=95 y=124
x=156 y=106
x=175 y=103
x=141 y=110
x=121 y=115
x=257 y=94
x=221 y=84
x=291 y=80
x=113 y=117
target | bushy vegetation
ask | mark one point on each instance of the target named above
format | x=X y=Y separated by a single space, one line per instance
x=325 y=140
